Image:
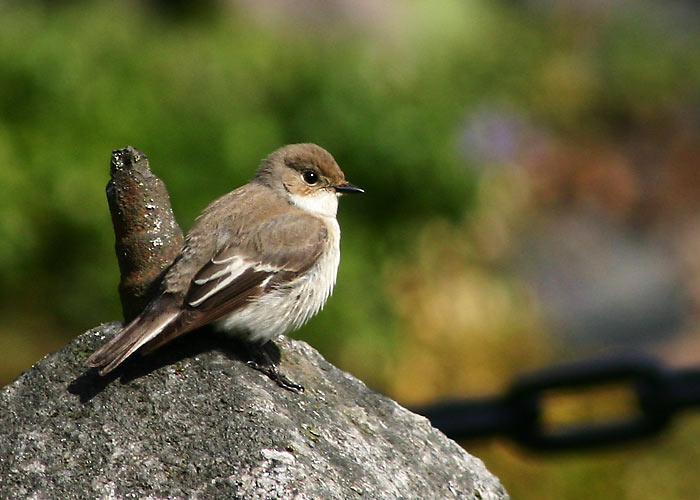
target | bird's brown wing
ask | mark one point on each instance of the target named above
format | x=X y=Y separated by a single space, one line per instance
x=281 y=249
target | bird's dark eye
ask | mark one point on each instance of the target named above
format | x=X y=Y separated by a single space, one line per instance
x=310 y=177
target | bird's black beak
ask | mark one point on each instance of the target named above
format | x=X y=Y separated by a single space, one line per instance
x=348 y=188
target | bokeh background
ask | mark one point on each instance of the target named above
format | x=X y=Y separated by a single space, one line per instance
x=532 y=171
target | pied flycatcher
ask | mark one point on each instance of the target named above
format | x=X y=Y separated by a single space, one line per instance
x=258 y=263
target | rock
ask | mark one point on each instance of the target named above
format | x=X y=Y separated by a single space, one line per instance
x=193 y=421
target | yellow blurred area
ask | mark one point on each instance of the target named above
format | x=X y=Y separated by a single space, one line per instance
x=605 y=404
x=466 y=327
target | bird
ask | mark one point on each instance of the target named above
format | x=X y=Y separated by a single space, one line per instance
x=258 y=262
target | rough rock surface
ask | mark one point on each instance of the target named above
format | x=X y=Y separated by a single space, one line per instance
x=193 y=421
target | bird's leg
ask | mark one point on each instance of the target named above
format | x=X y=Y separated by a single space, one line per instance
x=264 y=363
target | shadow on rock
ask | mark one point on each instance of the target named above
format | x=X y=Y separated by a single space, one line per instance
x=91 y=383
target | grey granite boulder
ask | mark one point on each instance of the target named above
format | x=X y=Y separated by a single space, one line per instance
x=193 y=421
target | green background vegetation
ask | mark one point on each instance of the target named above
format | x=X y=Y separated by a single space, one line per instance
x=427 y=303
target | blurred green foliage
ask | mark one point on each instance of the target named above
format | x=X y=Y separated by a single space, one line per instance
x=206 y=101
x=208 y=96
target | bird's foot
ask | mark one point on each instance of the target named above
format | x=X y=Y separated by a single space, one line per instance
x=265 y=364
x=280 y=379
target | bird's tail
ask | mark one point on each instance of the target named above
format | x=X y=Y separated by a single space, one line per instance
x=141 y=330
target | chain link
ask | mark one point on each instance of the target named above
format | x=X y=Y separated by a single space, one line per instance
x=660 y=393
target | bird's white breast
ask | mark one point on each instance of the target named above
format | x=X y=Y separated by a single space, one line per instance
x=288 y=307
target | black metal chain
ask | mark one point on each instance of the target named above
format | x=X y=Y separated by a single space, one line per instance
x=661 y=392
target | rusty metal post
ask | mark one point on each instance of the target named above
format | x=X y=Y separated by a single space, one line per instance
x=147 y=236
